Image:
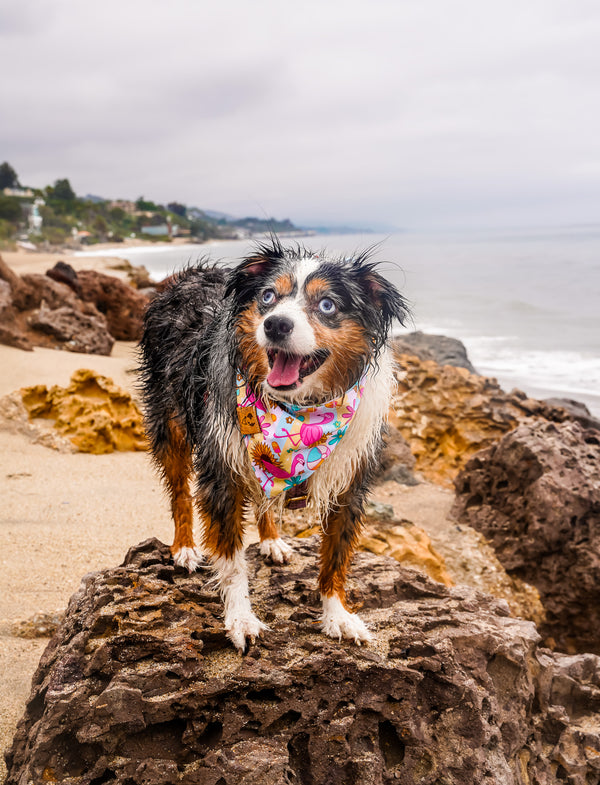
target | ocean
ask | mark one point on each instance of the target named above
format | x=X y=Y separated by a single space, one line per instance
x=526 y=304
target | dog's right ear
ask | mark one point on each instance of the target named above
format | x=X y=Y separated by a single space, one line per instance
x=246 y=279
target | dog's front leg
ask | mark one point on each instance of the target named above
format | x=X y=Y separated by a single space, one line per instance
x=223 y=538
x=341 y=532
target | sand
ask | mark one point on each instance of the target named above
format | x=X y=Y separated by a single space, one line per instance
x=64 y=515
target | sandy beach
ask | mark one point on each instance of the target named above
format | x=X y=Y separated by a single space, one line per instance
x=66 y=514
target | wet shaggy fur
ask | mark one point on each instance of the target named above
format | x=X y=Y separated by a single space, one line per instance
x=209 y=322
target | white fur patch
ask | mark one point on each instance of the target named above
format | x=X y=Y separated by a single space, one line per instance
x=275 y=549
x=240 y=622
x=339 y=623
x=188 y=558
x=337 y=472
x=302 y=338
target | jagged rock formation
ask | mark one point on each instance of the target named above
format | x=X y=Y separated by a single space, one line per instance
x=122 y=305
x=440 y=348
x=447 y=414
x=140 y=685
x=92 y=412
x=38 y=311
x=536 y=497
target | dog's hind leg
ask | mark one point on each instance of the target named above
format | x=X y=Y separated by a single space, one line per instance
x=176 y=463
x=221 y=507
x=339 y=540
x=272 y=546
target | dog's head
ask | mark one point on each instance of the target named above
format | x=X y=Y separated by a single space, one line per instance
x=308 y=326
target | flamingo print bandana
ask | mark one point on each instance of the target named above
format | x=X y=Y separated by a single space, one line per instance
x=286 y=445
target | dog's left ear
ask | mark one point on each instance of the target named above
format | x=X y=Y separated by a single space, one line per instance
x=384 y=295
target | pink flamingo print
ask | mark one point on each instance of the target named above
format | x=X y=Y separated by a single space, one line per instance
x=312 y=432
x=279 y=471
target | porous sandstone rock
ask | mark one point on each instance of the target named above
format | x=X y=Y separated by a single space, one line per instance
x=447 y=414
x=92 y=412
x=535 y=495
x=140 y=685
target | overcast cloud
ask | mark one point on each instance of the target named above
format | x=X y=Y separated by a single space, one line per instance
x=420 y=113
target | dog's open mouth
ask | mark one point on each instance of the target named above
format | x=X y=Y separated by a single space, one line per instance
x=288 y=370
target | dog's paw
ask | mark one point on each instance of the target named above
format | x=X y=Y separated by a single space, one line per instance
x=276 y=550
x=339 y=623
x=243 y=626
x=188 y=558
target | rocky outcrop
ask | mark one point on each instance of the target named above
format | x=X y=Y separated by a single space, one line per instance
x=439 y=348
x=81 y=311
x=92 y=412
x=38 y=311
x=74 y=330
x=447 y=414
x=122 y=305
x=140 y=685
x=396 y=461
x=536 y=497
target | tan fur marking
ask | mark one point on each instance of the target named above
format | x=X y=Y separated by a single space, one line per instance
x=317 y=288
x=348 y=347
x=284 y=285
x=256 y=364
x=224 y=537
x=267 y=528
x=176 y=464
x=338 y=543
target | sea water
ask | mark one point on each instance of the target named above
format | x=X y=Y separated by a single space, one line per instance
x=525 y=303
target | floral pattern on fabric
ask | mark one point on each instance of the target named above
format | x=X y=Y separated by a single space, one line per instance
x=292 y=441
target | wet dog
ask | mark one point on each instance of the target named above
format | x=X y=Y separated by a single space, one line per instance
x=270 y=383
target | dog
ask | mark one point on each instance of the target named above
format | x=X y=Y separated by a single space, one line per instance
x=270 y=382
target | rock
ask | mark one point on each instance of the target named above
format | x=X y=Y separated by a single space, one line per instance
x=14 y=418
x=406 y=543
x=122 y=305
x=64 y=273
x=10 y=332
x=440 y=348
x=20 y=291
x=140 y=685
x=55 y=294
x=40 y=625
x=74 y=330
x=577 y=410
x=536 y=496
x=447 y=414
x=397 y=461
x=92 y=412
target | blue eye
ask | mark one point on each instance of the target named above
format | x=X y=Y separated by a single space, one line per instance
x=268 y=297
x=327 y=306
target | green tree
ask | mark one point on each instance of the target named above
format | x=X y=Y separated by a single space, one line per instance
x=177 y=208
x=62 y=190
x=10 y=209
x=8 y=176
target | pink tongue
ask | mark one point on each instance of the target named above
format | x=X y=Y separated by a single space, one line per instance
x=285 y=370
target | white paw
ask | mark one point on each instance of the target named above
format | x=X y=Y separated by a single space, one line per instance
x=278 y=551
x=189 y=558
x=242 y=626
x=339 y=623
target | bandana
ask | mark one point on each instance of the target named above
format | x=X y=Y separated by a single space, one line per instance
x=287 y=443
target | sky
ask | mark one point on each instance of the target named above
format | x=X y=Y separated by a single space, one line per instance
x=417 y=114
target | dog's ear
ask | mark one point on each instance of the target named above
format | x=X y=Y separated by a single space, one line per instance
x=245 y=280
x=383 y=294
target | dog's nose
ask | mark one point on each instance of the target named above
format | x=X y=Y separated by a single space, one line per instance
x=278 y=327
